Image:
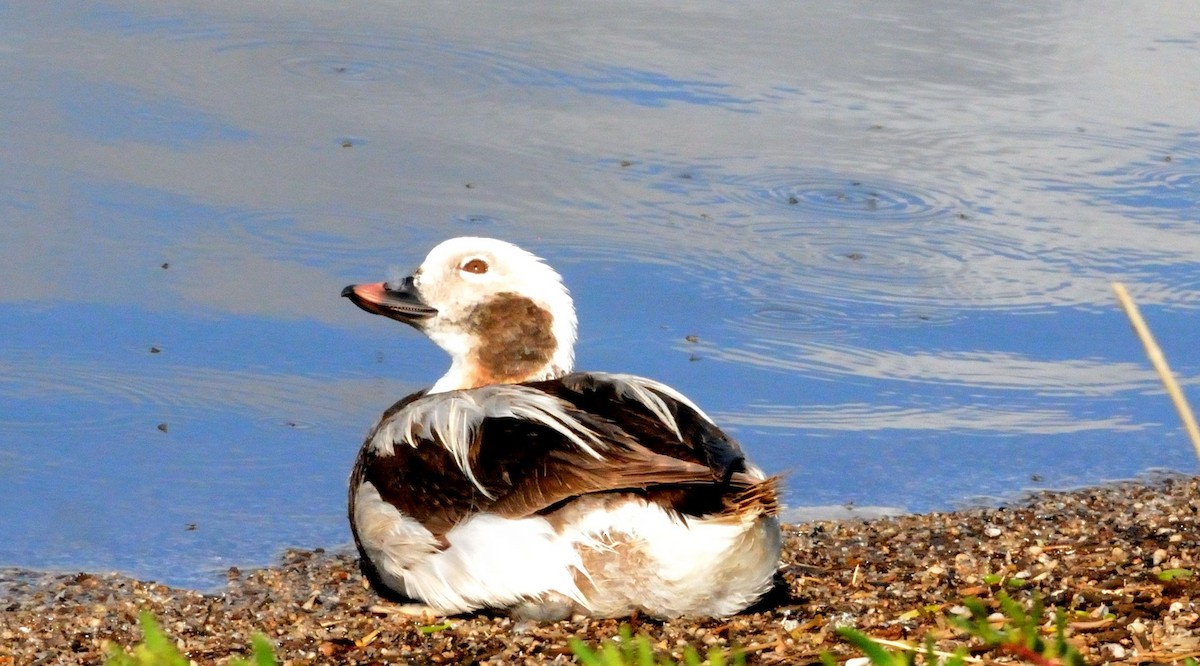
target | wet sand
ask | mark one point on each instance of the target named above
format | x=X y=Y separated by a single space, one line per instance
x=1096 y=552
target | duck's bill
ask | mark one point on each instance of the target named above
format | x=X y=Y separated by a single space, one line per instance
x=400 y=302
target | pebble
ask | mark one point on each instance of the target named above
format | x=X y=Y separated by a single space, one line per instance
x=317 y=609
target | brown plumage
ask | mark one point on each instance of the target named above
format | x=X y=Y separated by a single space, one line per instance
x=530 y=469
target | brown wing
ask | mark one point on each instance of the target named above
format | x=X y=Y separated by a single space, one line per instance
x=727 y=487
x=527 y=468
x=699 y=439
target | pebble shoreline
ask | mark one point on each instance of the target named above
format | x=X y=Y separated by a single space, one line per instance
x=1097 y=553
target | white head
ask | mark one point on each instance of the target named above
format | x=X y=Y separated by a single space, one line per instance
x=502 y=314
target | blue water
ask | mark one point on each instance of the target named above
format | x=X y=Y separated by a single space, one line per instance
x=875 y=243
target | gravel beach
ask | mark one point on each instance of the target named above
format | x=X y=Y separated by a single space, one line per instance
x=1100 y=553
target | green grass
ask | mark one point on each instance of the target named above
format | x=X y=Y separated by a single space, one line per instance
x=630 y=650
x=1018 y=635
x=1174 y=574
x=156 y=649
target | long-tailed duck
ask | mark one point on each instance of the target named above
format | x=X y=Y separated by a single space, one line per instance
x=514 y=484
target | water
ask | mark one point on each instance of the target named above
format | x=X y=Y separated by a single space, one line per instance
x=876 y=244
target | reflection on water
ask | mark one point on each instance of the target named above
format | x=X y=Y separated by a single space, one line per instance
x=868 y=417
x=877 y=246
x=990 y=370
x=355 y=56
x=109 y=113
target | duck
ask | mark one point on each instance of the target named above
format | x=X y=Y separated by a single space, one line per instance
x=516 y=485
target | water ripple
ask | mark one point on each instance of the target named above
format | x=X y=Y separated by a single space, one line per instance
x=833 y=197
x=342 y=66
x=795 y=238
x=988 y=370
x=787 y=317
x=1167 y=186
x=865 y=417
x=417 y=58
x=106 y=398
x=309 y=235
x=774 y=316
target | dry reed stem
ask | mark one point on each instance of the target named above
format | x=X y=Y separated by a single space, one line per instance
x=1160 y=364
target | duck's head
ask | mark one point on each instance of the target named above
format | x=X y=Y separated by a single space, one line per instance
x=502 y=314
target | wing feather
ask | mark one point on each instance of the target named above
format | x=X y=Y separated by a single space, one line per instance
x=524 y=449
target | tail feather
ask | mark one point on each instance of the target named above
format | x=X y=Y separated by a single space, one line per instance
x=756 y=496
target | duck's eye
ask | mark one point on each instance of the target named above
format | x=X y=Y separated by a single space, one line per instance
x=476 y=266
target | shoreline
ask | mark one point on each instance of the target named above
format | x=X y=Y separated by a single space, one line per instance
x=1096 y=552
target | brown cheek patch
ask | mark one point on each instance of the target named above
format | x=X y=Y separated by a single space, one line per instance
x=516 y=339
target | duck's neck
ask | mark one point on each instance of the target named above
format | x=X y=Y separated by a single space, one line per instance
x=507 y=339
x=468 y=374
